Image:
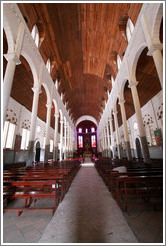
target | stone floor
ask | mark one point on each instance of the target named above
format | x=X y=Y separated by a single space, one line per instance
x=88 y=214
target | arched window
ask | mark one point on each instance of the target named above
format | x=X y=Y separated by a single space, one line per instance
x=93 y=141
x=129 y=29
x=112 y=80
x=80 y=130
x=80 y=141
x=118 y=61
x=56 y=84
x=8 y=135
x=48 y=65
x=35 y=35
x=25 y=139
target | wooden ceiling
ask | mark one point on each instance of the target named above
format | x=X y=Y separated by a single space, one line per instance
x=80 y=39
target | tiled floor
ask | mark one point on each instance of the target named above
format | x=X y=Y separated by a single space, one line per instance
x=34 y=227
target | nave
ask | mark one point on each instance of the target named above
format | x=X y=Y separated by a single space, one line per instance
x=87 y=214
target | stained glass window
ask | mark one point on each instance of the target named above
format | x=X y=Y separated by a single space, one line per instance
x=92 y=129
x=86 y=130
x=80 y=130
x=93 y=141
x=80 y=141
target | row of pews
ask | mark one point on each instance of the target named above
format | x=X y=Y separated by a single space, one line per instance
x=132 y=183
x=39 y=181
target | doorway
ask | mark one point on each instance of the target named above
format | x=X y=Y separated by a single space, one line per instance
x=138 y=148
x=37 y=156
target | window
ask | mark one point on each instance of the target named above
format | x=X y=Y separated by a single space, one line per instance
x=80 y=141
x=56 y=84
x=112 y=80
x=92 y=129
x=86 y=130
x=93 y=141
x=80 y=130
x=35 y=35
x=25 y=139
x=8 y=135
x=129 y=29
x=118 y=61
x=48 y=65
x=51 y=145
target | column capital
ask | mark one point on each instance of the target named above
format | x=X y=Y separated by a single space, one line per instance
x=154 y=47
x=132 y=83
x=37 y=89
x=121 y=101
x=14 y=57
x=56 y=115
x=115 y=112
x=49 y=105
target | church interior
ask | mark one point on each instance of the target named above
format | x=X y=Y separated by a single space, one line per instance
x=83 y=128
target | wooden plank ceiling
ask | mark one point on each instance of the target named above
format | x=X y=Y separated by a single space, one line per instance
x=79 y=39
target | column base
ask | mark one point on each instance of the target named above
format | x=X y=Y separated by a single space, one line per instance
x=46 y=152
x=145 y=150
x=55 y=155
x=30 y=154
x=128 y=151
x=119 y=147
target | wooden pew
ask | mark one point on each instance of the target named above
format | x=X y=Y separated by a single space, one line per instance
x=30 y=191
x=139 y=190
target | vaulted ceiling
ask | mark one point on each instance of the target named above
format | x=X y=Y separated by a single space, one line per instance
x=81 y=41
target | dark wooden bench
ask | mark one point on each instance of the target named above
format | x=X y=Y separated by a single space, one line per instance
x=139 y=190
x=28 y=190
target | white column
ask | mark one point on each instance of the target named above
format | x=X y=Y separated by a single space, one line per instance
x=30 y=153
x=141 y=128
x=61 y=139
x=126 y=135
x=105 y=142
x=55 y=157
x=13 y=60
x=154 y=47
x=112 y=136
x=117 y=133
x=47 y=140
x=65 y=140
x=108 y=140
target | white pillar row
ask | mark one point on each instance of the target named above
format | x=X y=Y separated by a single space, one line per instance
x=55 y=151
x=65 y=140
x=13 y=60
x=47 y=140
x=141 y=129
x=30 y=153
x=108 y=140
x=154 y=47
x=112 y=136
x=126 y=135
x=105 y=141
x=115 y=112
x=61 y=140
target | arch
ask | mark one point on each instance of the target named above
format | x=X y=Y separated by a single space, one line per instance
x=157 y=23
x=86 y=117
x=10 y=38
x=47 y=92
x=32 y=67
x=56 y=106
x=121 y=93
x=135 y=61
x=61 y=114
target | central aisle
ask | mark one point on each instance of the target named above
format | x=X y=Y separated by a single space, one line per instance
x=88 y=214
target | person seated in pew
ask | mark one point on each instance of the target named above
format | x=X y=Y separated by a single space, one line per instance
x=121 y=169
